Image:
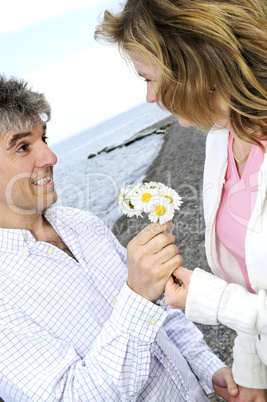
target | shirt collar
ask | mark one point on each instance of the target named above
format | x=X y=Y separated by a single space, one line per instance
x=18 y=240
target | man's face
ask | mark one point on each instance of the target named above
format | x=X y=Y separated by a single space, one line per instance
x=26 y=172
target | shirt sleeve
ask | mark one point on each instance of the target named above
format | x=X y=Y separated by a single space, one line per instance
x=37 y=366
x=189 y=340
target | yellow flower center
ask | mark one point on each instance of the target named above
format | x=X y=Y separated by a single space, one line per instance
x=146 y=197
x=167 y=196
x=160 y=210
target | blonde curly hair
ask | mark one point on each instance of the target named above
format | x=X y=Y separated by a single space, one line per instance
x=199 y=45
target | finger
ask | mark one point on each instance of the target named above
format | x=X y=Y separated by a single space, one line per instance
x=150 y=231
x=231 y=385
x=160 y=244
x=224 y=379
x=170 y=258
x=171 y=286
x=175 y=295
x=223 y=393
x=183 y=274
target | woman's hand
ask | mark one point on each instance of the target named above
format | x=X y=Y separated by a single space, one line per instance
x=251 y=395
x=151 y=259
x=176 y=295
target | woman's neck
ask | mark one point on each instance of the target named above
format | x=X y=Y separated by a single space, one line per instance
x=241 y=150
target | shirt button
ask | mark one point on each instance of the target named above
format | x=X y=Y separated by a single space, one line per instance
x=153 y=321
x=51 y=251
x=24 y=236
x=114 y=300
x=166 y=361
x=24 y=251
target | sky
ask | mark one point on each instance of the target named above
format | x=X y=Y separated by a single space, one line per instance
x=51 y=45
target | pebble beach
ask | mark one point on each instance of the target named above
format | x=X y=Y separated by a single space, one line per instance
x=179 y=165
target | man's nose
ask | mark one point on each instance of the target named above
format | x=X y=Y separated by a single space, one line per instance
x=45 y=156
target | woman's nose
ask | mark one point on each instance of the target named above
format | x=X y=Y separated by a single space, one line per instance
x=150 y=94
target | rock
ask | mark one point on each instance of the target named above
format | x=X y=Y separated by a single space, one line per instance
x=91 y=156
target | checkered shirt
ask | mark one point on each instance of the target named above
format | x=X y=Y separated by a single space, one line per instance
x=74 y=331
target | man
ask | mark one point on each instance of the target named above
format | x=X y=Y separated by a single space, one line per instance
x=77 y=324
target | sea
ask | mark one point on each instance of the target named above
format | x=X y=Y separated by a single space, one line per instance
x=94 y=184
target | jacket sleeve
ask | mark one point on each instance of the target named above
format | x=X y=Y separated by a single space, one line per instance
x=246 y=356
x=212 y=300
x=37 y=366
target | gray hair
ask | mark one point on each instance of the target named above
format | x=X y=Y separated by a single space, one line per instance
x=21 y=107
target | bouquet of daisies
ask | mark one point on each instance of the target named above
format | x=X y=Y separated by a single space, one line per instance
x=156 y=200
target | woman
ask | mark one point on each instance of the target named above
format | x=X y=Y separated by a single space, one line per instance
x=206 y=62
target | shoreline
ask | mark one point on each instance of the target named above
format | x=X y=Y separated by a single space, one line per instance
x=157 y=128
x=179 y=165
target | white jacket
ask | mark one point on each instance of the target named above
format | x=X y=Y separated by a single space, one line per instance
x=211 y=299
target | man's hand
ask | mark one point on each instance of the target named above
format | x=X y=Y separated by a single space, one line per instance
x=176 y=295
x=224 y=384
x=152 y=257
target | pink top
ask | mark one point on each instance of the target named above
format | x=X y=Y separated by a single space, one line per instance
x=237 y=203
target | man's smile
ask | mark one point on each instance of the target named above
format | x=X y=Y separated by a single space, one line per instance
x=43 y=181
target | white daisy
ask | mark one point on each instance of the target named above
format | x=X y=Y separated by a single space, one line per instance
x=125 y=202
x=172 y=196
x=145 y=197
x=163 y=211
x=154 y=199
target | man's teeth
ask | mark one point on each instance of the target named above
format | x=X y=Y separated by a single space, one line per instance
x=43 y=181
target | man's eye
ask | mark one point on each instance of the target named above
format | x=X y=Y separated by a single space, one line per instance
x=23 y=148
x=45 y=139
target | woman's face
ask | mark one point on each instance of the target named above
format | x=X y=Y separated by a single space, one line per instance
x=151 y=76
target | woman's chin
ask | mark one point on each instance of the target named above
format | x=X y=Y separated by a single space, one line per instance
x=183 y=122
